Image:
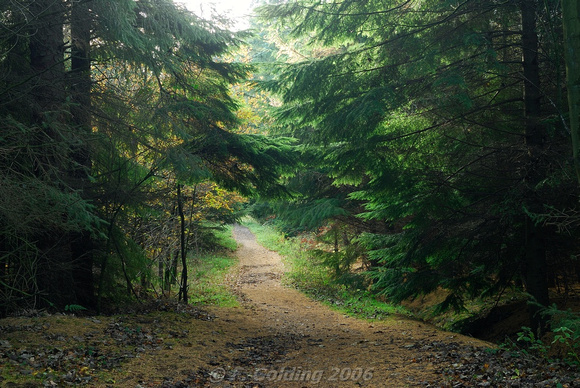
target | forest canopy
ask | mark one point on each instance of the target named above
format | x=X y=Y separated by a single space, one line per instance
x=438 y=135
x=117 y=140
x=434 y=144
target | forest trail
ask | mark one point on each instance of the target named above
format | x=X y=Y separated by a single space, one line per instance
x=328 y=348
x=277 y=337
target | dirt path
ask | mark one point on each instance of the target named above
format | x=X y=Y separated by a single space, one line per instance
x=276 y=338
x=326 y=348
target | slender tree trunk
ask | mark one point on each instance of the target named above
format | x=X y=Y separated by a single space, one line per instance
x=571 y=22
x=534 y=266
x=183 y=246
x=5 y=279
x=162 y=274
x=47 y=57
x=193 y=235
x=47 y=96
x=173 y=270
x=80 y=86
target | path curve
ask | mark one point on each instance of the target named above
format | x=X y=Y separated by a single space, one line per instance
x=340 y=350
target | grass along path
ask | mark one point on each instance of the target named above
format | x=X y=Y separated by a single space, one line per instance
x=315 y=280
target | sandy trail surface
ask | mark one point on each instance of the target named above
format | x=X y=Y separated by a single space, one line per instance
x=327 y=348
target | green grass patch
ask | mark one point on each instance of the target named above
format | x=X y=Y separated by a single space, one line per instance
x=307 y=274
x=225 y=239
x=269 y=237
x=209 y=281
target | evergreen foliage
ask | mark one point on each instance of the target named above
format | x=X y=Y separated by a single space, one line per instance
x=107 y=108
x=418 y=110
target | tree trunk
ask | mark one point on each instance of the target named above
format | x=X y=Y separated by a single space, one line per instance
x=47 y=96
x=80 y=86
x=571 y=22
x=173 y=270
x=534 y=266
x=47 y=57
x=183 y=246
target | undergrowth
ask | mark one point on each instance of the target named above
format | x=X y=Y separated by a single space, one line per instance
x=561 y=343
x=307 y=273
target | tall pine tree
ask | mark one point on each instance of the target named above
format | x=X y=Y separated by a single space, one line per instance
x=453 y=141
x=112 y=96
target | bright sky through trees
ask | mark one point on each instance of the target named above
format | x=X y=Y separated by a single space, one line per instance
x=233 y=9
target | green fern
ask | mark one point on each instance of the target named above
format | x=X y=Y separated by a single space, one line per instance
x=73 y=308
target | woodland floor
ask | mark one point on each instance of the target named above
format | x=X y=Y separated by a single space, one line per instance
x=277 y=338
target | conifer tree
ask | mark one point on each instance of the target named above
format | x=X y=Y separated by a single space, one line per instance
x=113 y=96
x=420 y=106
x=571 y=22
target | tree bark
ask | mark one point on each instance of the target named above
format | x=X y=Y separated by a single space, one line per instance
x=571 y=23
x=47 y=57
x=534 y=265
x=80 y=87
x=183 y=246
x=47 y=97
